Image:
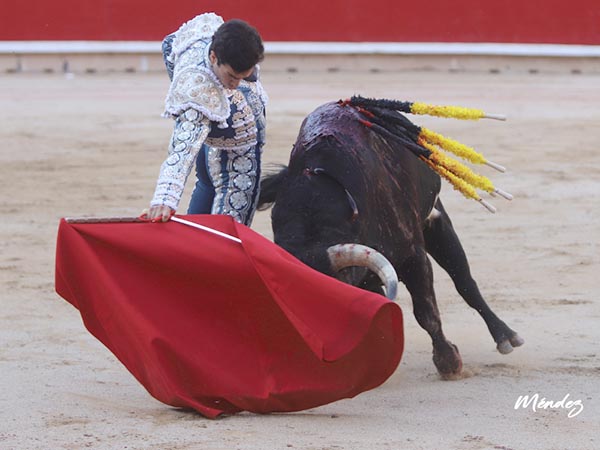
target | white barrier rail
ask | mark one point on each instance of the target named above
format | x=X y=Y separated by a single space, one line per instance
x=316 y=48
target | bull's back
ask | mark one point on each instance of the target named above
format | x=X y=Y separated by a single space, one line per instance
x=381 y=172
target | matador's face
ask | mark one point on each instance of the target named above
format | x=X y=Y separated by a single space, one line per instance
x=226 y=75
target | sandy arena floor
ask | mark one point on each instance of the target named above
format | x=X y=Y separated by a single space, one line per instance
x=92 y=145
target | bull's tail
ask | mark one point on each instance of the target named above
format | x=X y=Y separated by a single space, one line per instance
x=269 y=187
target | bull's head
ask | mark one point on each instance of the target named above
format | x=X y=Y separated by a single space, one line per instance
x=317 y=207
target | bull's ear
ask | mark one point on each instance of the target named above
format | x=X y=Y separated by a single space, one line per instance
x=270 y=184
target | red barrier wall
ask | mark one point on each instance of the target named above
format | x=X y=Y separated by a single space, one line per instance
x=507 y=21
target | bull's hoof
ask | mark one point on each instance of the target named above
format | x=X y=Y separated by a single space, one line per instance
x=448 y=362
x=516 y=340
x=506 y=346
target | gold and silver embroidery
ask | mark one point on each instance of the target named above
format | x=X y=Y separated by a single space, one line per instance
x=189 y=133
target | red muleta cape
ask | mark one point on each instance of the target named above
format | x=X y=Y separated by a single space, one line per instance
x=207 y=323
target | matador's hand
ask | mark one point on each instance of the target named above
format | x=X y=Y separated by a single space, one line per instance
x=158 y=213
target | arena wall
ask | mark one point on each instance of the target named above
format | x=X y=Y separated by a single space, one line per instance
x=506 y=21
x=63 y=33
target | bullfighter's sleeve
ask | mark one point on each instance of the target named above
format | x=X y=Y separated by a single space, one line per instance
x=190 y=132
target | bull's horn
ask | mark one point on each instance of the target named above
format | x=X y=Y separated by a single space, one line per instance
x=349 y=255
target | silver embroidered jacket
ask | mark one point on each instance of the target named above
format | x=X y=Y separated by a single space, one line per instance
x=205 y=112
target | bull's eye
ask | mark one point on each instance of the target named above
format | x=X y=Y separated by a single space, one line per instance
x=308 y=171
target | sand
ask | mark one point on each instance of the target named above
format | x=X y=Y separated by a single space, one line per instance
x=92 y=144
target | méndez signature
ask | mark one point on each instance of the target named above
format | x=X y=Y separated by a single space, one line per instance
x=536 y=403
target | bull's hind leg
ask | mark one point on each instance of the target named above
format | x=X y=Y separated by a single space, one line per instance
x=416 y=273
x=443 y=245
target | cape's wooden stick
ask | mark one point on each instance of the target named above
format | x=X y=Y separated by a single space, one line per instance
x=103 y=220
x=140 y=220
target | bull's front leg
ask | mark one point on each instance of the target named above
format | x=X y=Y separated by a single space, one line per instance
x=444 y=246
x=416 y=273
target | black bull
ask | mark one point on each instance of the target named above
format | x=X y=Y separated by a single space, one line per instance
x=346 y=184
